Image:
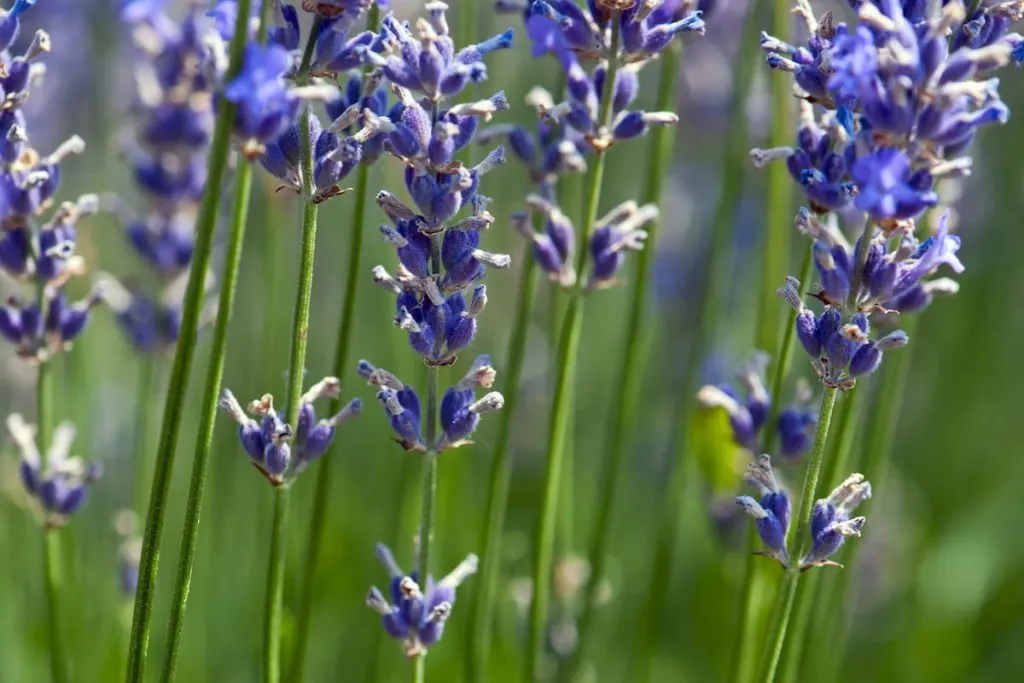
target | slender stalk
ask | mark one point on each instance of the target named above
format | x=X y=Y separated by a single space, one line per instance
x=428 y=500
x=734 y=168
x=204 y=437
x=184 y=355
x=631 y=364
x=787 y=595
x=873 y=462
x=149 y=383
x=779 y=199
x=479 y=632
x=808 y=599
x=565 y=362
x=752 y=592
x=51 y=539
x=296 y=372
x=321 y=496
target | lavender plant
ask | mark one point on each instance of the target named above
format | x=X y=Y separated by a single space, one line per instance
x=437 y=286
x=890 y=106
x=41 y=256
x=623 y=35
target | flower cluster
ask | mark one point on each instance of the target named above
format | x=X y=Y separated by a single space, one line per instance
x=889 y=105
x=278 y=450
x=460 y=409
x=41 y=255
x=747 y=416
x=173 y=112
x=414 y=615
x=59 y=485
x=618 y=232
x=830 y=523
x=437 y=285
x=646 y=28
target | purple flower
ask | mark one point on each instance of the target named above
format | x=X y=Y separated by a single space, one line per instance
x=266 y=104
x=414 y=615
x=60 y=488
x=888 y=188
x=771 y=514
x=831 y=523
x=460 y=409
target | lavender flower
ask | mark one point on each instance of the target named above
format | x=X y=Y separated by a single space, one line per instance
x=771 y=514
x=277 y=450
x=619 y=231
x=265 y=104
x=416 y=616
x=647 y=28
x=40 y=254
x=60 y=488
x=831 y=523
x=748 y=415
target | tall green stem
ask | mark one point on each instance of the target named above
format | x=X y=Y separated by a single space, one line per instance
x=565 y=364
x=296 y=376
x=204 y=437
x=51 y=538
x=809 y=598
x=733 y=171
x=787 y=594
x=779 y=199
x=149 y=386
x=321 y=496
x=631 y=365
x=184 y=355
x=873 y=462
x=429 y=484
x=479 y=632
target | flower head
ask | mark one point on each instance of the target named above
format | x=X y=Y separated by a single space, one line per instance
x=771 y=514
x=265 y=103
x=58 y=487
x=413 y=614
x=831 y=523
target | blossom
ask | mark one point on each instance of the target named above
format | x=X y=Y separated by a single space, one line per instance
x=416 y=615
x=771 y=514
x=277 y=450
x=265 y=103
x=59 y=487
x=831 y=524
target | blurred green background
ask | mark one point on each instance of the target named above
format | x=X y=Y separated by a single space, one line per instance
x=939 y=595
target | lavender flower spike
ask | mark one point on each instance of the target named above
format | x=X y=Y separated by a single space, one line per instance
x=831 y=523
x=60 y=489
x=771 y=514
x=414 y=616
x=277 y=450
x=461 y=410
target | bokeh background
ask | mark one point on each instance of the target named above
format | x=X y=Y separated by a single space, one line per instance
x=938 y=595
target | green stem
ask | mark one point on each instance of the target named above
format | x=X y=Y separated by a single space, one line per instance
x=321 y=497
x=565 y=364
x=428 y=500
x=873 y=463
x=479 y=632
x=275 y=587
x=778 y=202
x=787 y=595
x=51 y=567
x=809 y=597
x=296 y=375
x=752 y=592
x=204 y=437
x=184 y=355
x=147 y=388
x=631 y=365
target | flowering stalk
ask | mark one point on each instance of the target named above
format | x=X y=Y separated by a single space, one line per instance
x=790 y=584
x=752 y=596
x=181 y=369
x=51 y=539
x=810 y=596
x=321 y=496
x=631 y=365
